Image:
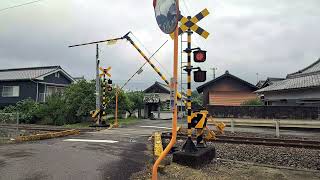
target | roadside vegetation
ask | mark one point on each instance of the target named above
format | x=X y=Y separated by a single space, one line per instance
x=73 y=106
x=253 y=102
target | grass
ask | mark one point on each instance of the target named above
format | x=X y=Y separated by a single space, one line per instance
x=78 y=125
x=128 y=121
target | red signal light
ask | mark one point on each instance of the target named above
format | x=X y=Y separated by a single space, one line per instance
x=199 y=56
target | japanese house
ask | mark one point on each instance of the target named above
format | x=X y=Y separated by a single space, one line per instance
x=227 y=90
x=301 y=88
x=36 y=83
x=157 y=102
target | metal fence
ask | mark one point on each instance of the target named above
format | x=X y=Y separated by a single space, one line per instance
x=9 y=118
x=9 y=126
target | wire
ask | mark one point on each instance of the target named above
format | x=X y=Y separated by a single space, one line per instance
x=150 y=53
x=186 y=7
x=143 y=65
x=19 y=5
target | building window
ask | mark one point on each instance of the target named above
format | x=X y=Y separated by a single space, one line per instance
x=60 y=90
x=57 y=75
x=10 y=91
x=51 y=90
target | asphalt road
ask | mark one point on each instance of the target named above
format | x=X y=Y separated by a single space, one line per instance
x=60 y=159
x=118 y=153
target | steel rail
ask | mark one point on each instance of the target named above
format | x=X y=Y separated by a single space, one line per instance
x=311 y=144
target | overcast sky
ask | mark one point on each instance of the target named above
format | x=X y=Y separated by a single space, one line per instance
x=269 y=37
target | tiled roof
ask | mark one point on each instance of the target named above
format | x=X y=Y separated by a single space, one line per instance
x=226 y=74
x=306 y=78
x=260 y=83
x=25 y=73
x=164 y=86
x=294 y=83
x=159 y=85
x=270 y=81
x=313 y=68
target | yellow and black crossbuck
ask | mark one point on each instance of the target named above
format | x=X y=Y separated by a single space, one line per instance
x=191 y=23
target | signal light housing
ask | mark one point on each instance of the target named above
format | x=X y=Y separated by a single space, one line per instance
x=200 y=76
x=199 y=56
x=109 y=88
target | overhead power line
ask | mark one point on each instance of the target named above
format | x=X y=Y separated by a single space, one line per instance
x=19 y=5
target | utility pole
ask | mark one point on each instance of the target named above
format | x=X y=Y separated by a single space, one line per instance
x=214 y=72
x=98 y=97
x=98 y=87
x=257 y=77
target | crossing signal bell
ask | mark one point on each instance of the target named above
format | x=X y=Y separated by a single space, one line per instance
x=199 y=56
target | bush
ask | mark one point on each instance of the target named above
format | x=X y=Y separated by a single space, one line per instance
x=27 y=110
x=54 y=111
x=80 y=100
x=252 y=102
x=73 y=106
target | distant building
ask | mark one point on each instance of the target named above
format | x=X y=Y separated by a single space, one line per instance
x=301 y=88
x=260 y=84
x=227 y=90
x=157 y=102
x=36 y=83
x=268 y=82
x=81 y=78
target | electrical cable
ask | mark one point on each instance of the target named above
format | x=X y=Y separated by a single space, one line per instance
x=19 y=5
x=167 y=73
x=143 y=64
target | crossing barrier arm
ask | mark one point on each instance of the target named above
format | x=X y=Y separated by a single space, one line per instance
x=148 y=61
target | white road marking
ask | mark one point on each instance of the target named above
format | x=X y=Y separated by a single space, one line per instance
x=158 y=127
x=90 y=140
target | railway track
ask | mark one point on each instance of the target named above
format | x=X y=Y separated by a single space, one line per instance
x=260 y=141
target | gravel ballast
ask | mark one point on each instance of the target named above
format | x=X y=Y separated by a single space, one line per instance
x=272 y=155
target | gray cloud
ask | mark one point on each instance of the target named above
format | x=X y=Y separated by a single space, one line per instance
x=270 y=37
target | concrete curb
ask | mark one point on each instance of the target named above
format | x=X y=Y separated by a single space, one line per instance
x=49 y=135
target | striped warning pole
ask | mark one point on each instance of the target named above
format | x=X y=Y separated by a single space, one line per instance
x=189 y=92
x=148 y=60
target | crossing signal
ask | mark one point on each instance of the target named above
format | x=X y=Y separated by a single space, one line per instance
x=109 y=88
x=200 y=76
x=199 y=56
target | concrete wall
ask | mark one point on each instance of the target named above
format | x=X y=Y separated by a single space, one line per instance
x=265 y=112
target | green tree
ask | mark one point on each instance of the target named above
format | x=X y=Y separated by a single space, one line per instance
x=124 y=103
x=197 y=99
x=80 y=100
x=136 y=99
